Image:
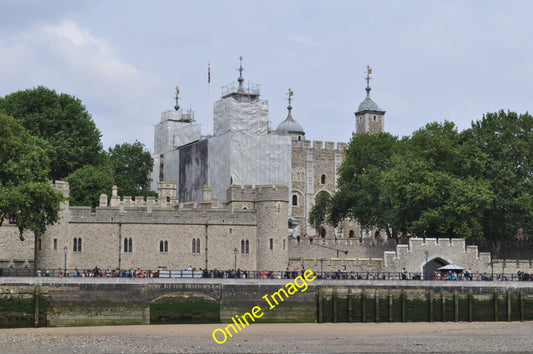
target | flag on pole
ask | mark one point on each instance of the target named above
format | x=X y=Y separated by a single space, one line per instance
x=208 y=74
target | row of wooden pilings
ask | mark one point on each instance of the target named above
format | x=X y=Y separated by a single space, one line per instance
x=394 y=307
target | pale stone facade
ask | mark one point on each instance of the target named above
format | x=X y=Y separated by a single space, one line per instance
x=202 y=231
x=130 y=234
x=151 y=234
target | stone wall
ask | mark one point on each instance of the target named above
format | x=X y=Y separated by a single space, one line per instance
x=100 y=301
x=314 y=169
x=15 y=253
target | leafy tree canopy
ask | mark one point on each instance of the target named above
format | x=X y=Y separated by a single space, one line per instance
x=88 y=183
x=440 y=182
x=131 y=165
x=128 y=166
x=26 y=196
x=62 y=120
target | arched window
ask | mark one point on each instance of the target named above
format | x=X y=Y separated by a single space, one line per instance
x=323 y=233
x=197 y=245
x=247 y=247
x=193 y=245
x=39 y=244
x=166 y=246
x=168 y=199
x=295 y=200
x=130 y=244
x=161 y=246
x=79 y=244
x=242 y=246
x=323 y=179
x=126 y=244
x=351 y=234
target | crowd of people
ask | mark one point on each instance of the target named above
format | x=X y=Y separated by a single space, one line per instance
x=341 y=274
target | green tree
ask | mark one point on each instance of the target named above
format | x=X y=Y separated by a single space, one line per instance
x=26 y=196
x=319 y=212
x=62 y=120
x=507 y=140
x=434 y=185
x=131 y=166
x=88 y=183
x=359 y=196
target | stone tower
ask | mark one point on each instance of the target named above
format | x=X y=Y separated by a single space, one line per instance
x=55 y=247
x=272 y=238
x=369 y=118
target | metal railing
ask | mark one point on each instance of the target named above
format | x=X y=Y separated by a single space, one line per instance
x=243 y=274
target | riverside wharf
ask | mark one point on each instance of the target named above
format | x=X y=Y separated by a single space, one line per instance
x=28 y=302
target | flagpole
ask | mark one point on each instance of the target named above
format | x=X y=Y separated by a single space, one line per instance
x=208 y=95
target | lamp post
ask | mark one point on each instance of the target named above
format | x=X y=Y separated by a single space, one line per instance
x=321 y=263
x=65 y=269
x=427 y=253
x=235 y=270
x=503 y=269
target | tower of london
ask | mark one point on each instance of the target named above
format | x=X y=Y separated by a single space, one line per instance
x=239 y=198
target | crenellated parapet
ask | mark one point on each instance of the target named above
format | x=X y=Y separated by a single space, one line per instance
x=318 y=144
x=245 y=197
x=420 y=251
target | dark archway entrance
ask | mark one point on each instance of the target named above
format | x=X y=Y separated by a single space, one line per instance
x=432 y=266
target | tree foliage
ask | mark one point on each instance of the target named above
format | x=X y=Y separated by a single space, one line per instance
x=359 y=196
x=63 y=121
x=434 y=186
x=26 y=196
x=88 y=183
x=318 y=213
x=131 y=165
x=507 y=140
x=128 y=166
x=440 y=182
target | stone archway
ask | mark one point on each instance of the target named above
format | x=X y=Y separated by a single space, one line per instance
x=184 y=307
x=432 y=266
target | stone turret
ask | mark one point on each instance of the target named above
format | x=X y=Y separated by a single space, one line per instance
x=272 y=238
x=369 y=118
x=55 y=242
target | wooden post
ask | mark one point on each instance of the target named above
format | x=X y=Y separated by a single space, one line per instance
x=363 y=306
x=320 y=310
x=390 y=305
x=455 y=306
x=377 y=305
x=36 y=296
x=495 y=299
x=470 y=296
x=334 y=305
x=443 y=307
x=349 y=305
x=430 y=305
x=521 y=302
x=509 y=298
x=402 y=298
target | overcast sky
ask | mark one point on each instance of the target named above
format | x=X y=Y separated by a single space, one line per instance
x=431 y=61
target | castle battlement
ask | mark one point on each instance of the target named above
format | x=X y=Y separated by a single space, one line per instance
x=318 y=144
x=250 y=193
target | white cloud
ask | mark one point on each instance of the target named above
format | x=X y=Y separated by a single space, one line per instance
x=68 y=58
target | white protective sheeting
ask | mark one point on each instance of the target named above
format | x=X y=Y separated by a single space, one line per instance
x=245 y=117
x=244 y=159
x=170 y=134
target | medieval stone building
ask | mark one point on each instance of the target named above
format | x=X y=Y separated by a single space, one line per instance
x=239 y=197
